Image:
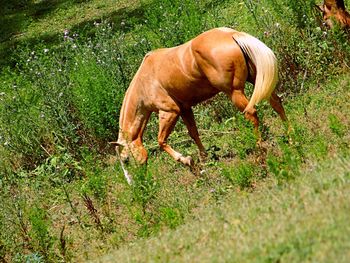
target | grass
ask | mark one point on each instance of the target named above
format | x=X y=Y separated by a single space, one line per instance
x=305 y=220
x=64 y=197
x=28 y=23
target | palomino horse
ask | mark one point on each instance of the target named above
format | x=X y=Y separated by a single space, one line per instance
x=171 y=80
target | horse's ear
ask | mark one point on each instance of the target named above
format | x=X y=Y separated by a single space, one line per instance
x=320 y=7
x=327 y=9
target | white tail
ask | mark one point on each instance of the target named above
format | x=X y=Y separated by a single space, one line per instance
x=266 y=66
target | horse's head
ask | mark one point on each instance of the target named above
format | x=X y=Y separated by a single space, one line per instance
x=131 y=152
x=334 y=12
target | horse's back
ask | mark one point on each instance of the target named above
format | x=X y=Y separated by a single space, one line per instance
x=192 y=72
x=219 y=57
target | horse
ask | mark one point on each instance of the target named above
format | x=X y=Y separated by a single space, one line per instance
x=172 y=80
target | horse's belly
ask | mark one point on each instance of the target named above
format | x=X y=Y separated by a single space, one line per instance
x=192 y=93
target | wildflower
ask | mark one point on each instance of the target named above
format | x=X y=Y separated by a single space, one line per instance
x=2 y=93
x=46 y=50
x=66 y=32
x=74 y=46
x=277 y=25
x=122 y=23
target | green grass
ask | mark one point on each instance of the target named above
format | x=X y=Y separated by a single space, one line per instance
x=29 y=22
x=63 y=194
x=305 y=220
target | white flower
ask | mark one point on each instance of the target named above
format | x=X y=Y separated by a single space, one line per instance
x=46 y=50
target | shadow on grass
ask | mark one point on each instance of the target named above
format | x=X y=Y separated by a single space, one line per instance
x=16 y=16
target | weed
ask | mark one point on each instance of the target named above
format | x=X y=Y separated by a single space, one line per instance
x=171 y=217
x=241 y=174
x=336 y=125
x=41 y=239
x=286 y=165
x=144 y=187
x=92 y=211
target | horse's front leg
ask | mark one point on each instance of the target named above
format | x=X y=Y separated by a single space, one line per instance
x=188 y=118
x=167 y=121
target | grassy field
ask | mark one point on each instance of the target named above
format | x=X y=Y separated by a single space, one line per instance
x=305 y=220
x=65 y=68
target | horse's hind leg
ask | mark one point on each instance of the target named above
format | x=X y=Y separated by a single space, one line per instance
x=167 y=121
x=188 y=118
x=240 y=101
x=276 y=104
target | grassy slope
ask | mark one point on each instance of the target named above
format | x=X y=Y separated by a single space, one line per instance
x=304 y=220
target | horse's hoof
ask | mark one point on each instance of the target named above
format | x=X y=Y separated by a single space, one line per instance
x=187 y=161
x=203 y=156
